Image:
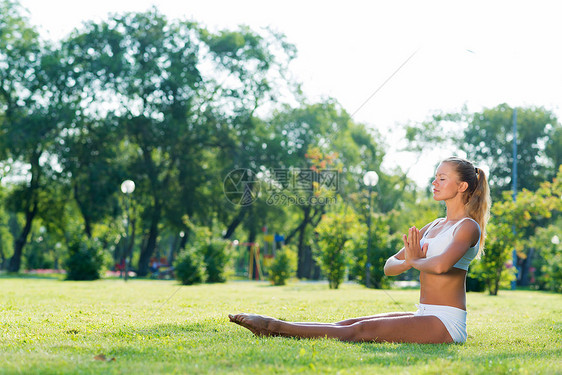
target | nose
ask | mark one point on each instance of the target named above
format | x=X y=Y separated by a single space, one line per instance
x=434 y=182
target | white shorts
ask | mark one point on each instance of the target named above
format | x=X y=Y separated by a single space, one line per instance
x=453 y=319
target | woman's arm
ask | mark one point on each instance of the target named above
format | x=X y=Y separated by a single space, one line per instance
x=465 y=236
x=396 y=264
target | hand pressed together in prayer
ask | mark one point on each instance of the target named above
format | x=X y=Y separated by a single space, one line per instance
x=412 y=247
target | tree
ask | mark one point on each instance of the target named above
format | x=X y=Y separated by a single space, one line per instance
x=512 y=226
x=173 y=111
x=487 y=138
x=30 y=117
x=319 y=137
x=6 y=238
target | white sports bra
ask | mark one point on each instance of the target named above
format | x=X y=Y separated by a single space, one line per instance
x=439 y=243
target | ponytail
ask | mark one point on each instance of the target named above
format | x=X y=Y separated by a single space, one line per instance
x=477 y=199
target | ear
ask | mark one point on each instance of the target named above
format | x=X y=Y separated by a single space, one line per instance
x=463 y=186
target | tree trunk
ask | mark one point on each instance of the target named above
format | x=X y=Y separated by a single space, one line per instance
x=236 y=222
x=19 y=243
x=148 y=250
x=305 y=259
x=496 y=283
x=303 y=267
x=252 y=239
x=30 y=213
x=525 y=269
x=3 y=263
x=82 y=209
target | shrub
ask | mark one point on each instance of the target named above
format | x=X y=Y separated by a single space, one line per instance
x=548 y=259
x=491 y=268
x=283 y=266
x=383 y=245
x=85 y=260
x=216 y=258
x=189 y=268
x=334 y=232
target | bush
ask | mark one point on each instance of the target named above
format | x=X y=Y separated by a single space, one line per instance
x=383 y=245
x=283 y=267
x=216 y=258
x=189 y=268
x=491 y=268
x=85 y=260
x=548 y=261
x=334 y=246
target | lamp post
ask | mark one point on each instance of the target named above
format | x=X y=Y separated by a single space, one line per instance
x=127 y=187
x=370 y=179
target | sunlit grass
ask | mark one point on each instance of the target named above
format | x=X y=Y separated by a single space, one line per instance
x=53 y=326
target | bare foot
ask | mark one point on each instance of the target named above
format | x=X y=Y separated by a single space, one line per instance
x=258 y=324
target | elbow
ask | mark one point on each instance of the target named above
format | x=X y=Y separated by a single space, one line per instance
x=387 y=269
x=441 y=269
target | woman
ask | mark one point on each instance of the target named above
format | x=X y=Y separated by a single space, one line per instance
x=441 y=251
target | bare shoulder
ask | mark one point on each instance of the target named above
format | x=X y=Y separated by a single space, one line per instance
x=468 y=230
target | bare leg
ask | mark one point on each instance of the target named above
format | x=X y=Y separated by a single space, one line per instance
x=409 y=328
x=351 y=321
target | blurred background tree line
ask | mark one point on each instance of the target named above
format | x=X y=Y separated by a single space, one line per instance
x=176 y=107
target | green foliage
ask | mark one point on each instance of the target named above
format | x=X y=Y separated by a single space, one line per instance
x=333 y=235
x=6 y=238
x=213 y=252
x=144 y=97
x=498 y=252
x=488 y=139
x=85 y=259
x=29 y=117
x=216 y=258
x=383 y=245
x=283 y=266
x=548 y=261
x=189 y=268
x=512 y=226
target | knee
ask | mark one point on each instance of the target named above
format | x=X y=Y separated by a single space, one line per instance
x=345 y=323
x=364 y=330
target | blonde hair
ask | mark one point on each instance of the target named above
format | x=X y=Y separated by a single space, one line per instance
x=477 y=199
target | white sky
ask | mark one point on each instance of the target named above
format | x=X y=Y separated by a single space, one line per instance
x=473 y=53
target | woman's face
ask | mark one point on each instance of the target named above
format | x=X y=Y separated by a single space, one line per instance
x=446 y=184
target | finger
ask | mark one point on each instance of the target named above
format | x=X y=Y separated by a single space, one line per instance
x=424 y=248
x=413 y=237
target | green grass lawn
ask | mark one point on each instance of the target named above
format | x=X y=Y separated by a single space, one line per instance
x=57 y=327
